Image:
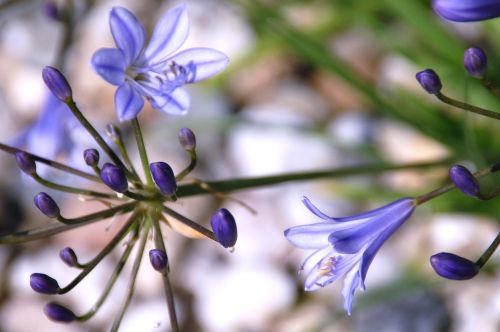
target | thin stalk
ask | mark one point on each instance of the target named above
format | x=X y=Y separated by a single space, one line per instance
x=42 y=233
x=188 y=222
x=142 y=151
x=487 y=254
x=189 y=168
x=112 y=280
x=169 y=295
x=51 y=163
x=88 y=267
x=131 y=285
x=468 y=107
x=116 y=136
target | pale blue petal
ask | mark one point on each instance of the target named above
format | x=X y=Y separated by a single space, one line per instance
x=169 y=34
x=312 y=236
x=175 y=103
x=128 y=33
x=351 y=283
x=201 y=63
x=109 y=63
x=128 y=102
x=307 y=202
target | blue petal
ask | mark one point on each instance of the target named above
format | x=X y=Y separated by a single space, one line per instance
x=307 y=202
x=201 y=63
x=169 y=34
x=128 y=102
x=109 y=63
x=128 y=33
x=310 y=236
x=393 y=208
x=351 y=283
x=467 y=10
x=175 y=103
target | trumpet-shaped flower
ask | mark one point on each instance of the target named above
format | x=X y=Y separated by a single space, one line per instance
x=153 y=70
x=346 y=246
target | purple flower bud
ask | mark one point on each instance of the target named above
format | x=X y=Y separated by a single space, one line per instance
x=68 y=256
x=454 y=267
x=58 y=313
x=158 y=259
x=50 y=10
x=91 y=157
x=114 y=177
x=224 y=227
x=467 y=10
x=25 y=163
x=42 y=283
x=475 y=62
x=164 y=177
x=57 y=83
x=187 y=139
x=463 y=179
x=46 y=205
x=429 y=80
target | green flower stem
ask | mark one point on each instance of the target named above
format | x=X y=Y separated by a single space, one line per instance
x=142 y=151
x=189 y=168
x=247 y=183
x=131 y=285
x=97 y=137
x=51 y=163
x=467 y=107
x=487 y=254
x=73 y=190
x=88 y=267
x=169 y=294
x=438 y=192
x=118 y=140
x=42 y=233
x=112 y=280
x=188 y=222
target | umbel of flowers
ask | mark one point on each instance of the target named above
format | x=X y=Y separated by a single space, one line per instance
x=157 y=74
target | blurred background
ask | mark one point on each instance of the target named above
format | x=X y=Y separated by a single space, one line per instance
x=311 y=85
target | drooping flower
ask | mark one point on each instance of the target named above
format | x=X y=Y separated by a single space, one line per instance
x=153 y=70
x=346 y=246
x=467 y=10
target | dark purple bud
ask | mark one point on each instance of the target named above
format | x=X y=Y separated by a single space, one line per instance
x=164 y=177
x=50 y=10
x=25 y=163
x=114 y=177
x=429 y=80
x=463 y=179
x=224 y=227
x=47 y=205
x=42 y=283
x=91 y=157
x=467 y=10
x=68 y=256
x=158 y=259
x=57 y=83
x=187 y=139
x=58 y=313
x=454 y=267
x=475 y=62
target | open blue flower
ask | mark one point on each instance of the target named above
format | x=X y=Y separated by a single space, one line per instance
x=467 y=10
x=346 y=246
x=153 y=71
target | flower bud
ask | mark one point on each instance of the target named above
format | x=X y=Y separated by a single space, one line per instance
x=50 y=10
x=429 y=80
x=467 y=10
x=454 y=267
x=58 y=313
x=57 y=83
x=68 y=256
x=114 y=177
x=164 y=177
x=47 y=205
x=158 y=259
x=25 y=162
x=42 y=283
x=224 y=227
x=187 y=139
x=91 y=157
x=113 y=132
x=463 y=179
x=475 y=62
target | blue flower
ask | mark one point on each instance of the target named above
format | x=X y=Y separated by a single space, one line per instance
x=346 y=246
x=467 y=10
x=153 y=71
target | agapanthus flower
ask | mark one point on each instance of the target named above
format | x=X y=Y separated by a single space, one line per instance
x=153 y=70
x=346 y=246
x=467 y=10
